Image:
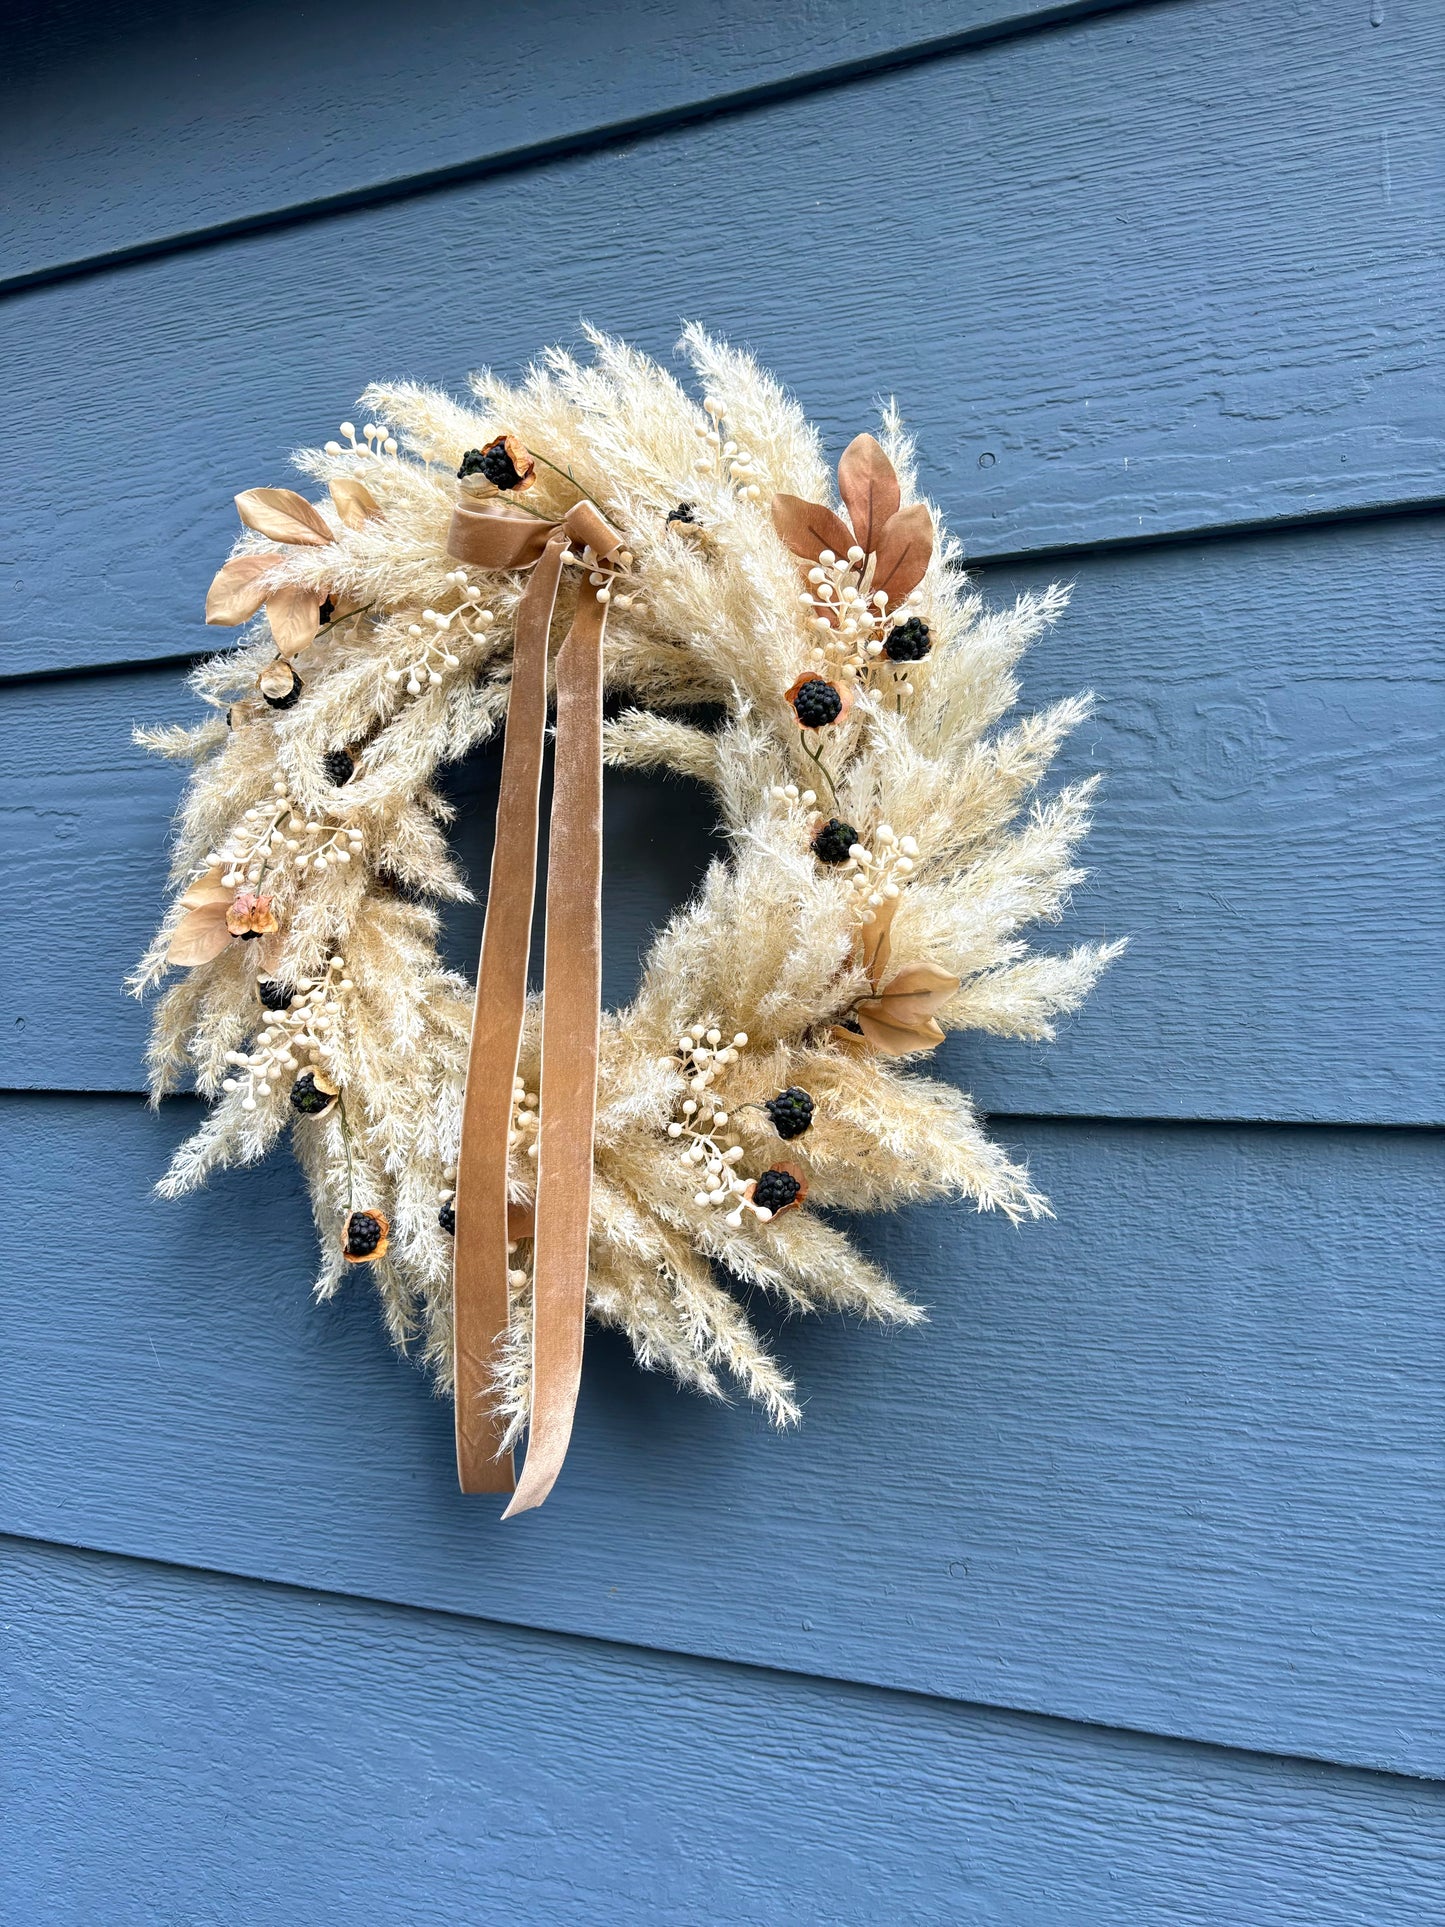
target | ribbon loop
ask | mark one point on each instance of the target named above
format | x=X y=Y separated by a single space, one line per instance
x=570 y=1010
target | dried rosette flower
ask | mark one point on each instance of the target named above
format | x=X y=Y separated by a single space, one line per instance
x=251 y=916
x=505 y=463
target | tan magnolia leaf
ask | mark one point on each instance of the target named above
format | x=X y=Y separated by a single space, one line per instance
x=905 y=548
x=207 y=889
x=295 y=616
x=870 y=488
x=237 y=590
x=808 y=528
x=355 y=503
x=283 y=515
x=200 y=935
x=900 y=1018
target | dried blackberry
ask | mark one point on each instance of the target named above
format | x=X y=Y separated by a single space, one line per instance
x=312 y=1095
x=775 y=1190
x=682 y=513
x=909 y=642
x=834 y=840
x=791 y=1111
x=279 y=684
x=504 y=463
x=366 y=1236
x=447 y=1217
x=326 y=611
x=274 y=994
x=338 y=766
x=816 y=703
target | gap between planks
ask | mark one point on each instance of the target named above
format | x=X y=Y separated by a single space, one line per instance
x=82 y=1549
x=589 y=140
x=184 y=660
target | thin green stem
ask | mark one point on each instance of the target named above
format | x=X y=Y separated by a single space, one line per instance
x=346 y=1145
x=814 y=757
x=570 y=477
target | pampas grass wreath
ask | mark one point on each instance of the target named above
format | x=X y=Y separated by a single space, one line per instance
x=883 y=851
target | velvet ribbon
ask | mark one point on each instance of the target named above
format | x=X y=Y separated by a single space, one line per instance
x=571 y=1002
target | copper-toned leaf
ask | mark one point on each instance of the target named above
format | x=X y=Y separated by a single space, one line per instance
x=900 y=1019
x=808 y=528
x=355 y=503
x=869 y=486
x=905 y=548
x=295 y=616
x=236 y=592
x=283 y=515
x=200 y=935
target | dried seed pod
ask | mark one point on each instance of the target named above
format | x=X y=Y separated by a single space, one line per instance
x=279 y=684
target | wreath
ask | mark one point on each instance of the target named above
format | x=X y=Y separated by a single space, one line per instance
x=826 y=671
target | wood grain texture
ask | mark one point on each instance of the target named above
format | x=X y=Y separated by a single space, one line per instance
x=1140 y=274
x=146 y=123
x=1172 y=1461
x=1270 y=712
x=200 y=1750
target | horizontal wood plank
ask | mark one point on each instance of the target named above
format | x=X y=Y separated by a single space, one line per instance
x=1150 y=272
x=140 y=124
x=1171 y=1461
x=1269 y=717
x=332 y=1760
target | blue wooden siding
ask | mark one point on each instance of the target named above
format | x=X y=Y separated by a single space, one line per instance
x=1112 y=1596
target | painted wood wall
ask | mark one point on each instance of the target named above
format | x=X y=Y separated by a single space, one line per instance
x=1111 y=1597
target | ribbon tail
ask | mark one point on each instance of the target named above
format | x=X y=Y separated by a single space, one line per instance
x=480 y=1315
x=571 y=1006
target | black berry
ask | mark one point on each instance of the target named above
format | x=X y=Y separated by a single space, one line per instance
x=447 y=1217
x=494 y=464
x=791 y=1111
x=817 y=703
x=365 y=1235
x=338 y=766
x=326 y=611
x=308 y=1098
x=275 y=687
x=775 y=1190
x=682 y=513
x=832 y=843
x=909 y=642
x=273 y=993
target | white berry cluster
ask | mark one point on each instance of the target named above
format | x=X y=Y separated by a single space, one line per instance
x=702 y=1116
x=293 y=1039
x=849 y=619
x=880 y=873
x=526 y=1120
x=278 y=835
x=421 y=668
x=377 y=439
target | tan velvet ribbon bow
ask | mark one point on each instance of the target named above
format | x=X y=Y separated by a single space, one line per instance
x=571 y=1002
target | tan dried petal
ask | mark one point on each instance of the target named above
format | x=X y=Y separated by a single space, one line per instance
x=277 y=680
x=236 y=591
x=200 y=935
x=355 y=503
x=900 y=1018
x=808 y=528
x=283 y=515
x=896 y=1040
x=905 y=549
x=295 y=616
x=870 y=489
x=251 y=916
x=875 y=941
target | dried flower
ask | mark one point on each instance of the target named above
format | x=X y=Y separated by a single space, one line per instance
x=251 y=916
x=505 y=463
x=366 y=1237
